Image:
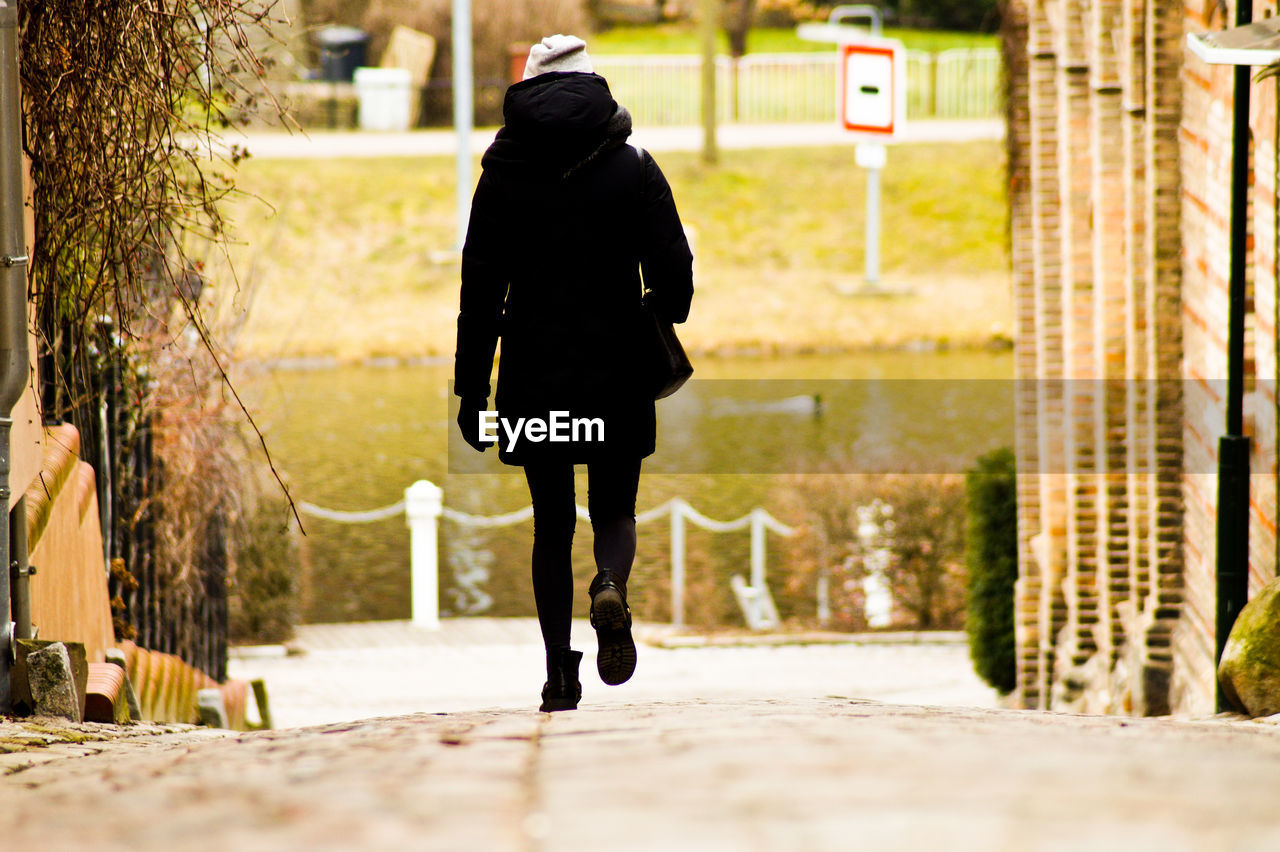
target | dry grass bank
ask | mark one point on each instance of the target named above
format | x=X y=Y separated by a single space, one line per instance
x=336 y=256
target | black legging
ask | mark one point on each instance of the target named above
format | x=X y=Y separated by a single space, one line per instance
x=611 y=501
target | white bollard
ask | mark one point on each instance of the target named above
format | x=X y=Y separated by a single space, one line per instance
x=757 y=560
x=677 y=562
x=423 y=503
x=824 y=599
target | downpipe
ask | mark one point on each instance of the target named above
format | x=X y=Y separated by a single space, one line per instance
x=13 y=308
x=20 y=570
x=1233 y=447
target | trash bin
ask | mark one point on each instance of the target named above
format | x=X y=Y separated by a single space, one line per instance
x=385 y=98
x=342 y=51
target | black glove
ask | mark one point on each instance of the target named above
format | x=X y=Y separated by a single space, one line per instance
x=469 y=421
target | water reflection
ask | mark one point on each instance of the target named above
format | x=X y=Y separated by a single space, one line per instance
x=770 y=426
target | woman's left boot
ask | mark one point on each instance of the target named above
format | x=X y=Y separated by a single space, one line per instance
x=562 y=691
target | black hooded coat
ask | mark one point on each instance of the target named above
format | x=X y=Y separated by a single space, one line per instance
x=564 y=218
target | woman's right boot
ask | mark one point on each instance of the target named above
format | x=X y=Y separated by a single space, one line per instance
x=611 y=618
x=562 y=691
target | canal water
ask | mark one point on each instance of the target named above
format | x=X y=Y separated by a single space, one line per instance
x=353 y=438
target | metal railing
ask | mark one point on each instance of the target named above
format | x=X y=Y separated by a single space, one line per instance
x=966 y=83
x=423 y=506
x=796 y=87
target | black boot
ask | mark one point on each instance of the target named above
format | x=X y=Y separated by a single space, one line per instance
x=562 y=691
x=610 y=616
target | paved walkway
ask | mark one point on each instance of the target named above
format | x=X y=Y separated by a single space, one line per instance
x=356 y=671
x=766 y=773
x=441 y=143
x=747 y=747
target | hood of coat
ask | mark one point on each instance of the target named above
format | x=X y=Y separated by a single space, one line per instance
x=557 y=123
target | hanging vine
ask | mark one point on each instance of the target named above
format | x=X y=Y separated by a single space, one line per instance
x=124 y=102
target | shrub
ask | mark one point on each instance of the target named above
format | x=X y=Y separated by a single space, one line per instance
x=992 y=554
x=925 y=571
x=788 y=13
x=263 y=597
x=922 y=542
x=963 y=15
x=826 y=507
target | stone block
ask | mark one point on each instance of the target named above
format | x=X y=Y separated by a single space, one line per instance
x=22 y=698
x=52 y=683
x=213 y=710
x=1250 y=669
x=1156 y=678
x=264 y=707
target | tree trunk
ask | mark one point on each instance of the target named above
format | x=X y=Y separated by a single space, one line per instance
x=737 y=23
x=708 y=31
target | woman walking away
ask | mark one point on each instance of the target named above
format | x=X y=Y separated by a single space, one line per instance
x=564 y=219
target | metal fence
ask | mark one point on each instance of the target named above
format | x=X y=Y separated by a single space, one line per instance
x=796 y=87
x=181 y=615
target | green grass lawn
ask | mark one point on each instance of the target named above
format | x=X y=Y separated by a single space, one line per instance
x=344 y=266
x=683 y=38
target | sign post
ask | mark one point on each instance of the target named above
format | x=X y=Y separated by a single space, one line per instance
x=872 y=92
x=463 y=113
x=871 y=156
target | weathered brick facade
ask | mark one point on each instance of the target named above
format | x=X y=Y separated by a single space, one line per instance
x=1120 y=164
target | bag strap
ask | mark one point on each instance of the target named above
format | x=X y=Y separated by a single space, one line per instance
x=644 y=290
x=639 y=175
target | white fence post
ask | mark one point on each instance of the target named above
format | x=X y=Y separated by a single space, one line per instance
x=677 y=562
x=423 y=503
x=757 y=558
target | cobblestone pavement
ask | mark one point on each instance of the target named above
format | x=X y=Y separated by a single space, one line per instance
x=752 y=747
x=28 y=742
x=728 y=774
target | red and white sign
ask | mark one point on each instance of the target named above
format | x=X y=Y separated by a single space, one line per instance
x=872 y=87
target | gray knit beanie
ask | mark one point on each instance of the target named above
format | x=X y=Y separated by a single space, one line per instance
x=558 y=53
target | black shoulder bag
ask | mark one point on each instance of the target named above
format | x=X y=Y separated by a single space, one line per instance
x=666 y=366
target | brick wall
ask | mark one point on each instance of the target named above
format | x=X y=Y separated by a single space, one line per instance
x=1120 y=224
x=1041 y=611
x=1027 y=593
x=1121 y=204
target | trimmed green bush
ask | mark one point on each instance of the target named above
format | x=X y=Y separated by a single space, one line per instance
x=992 y=554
